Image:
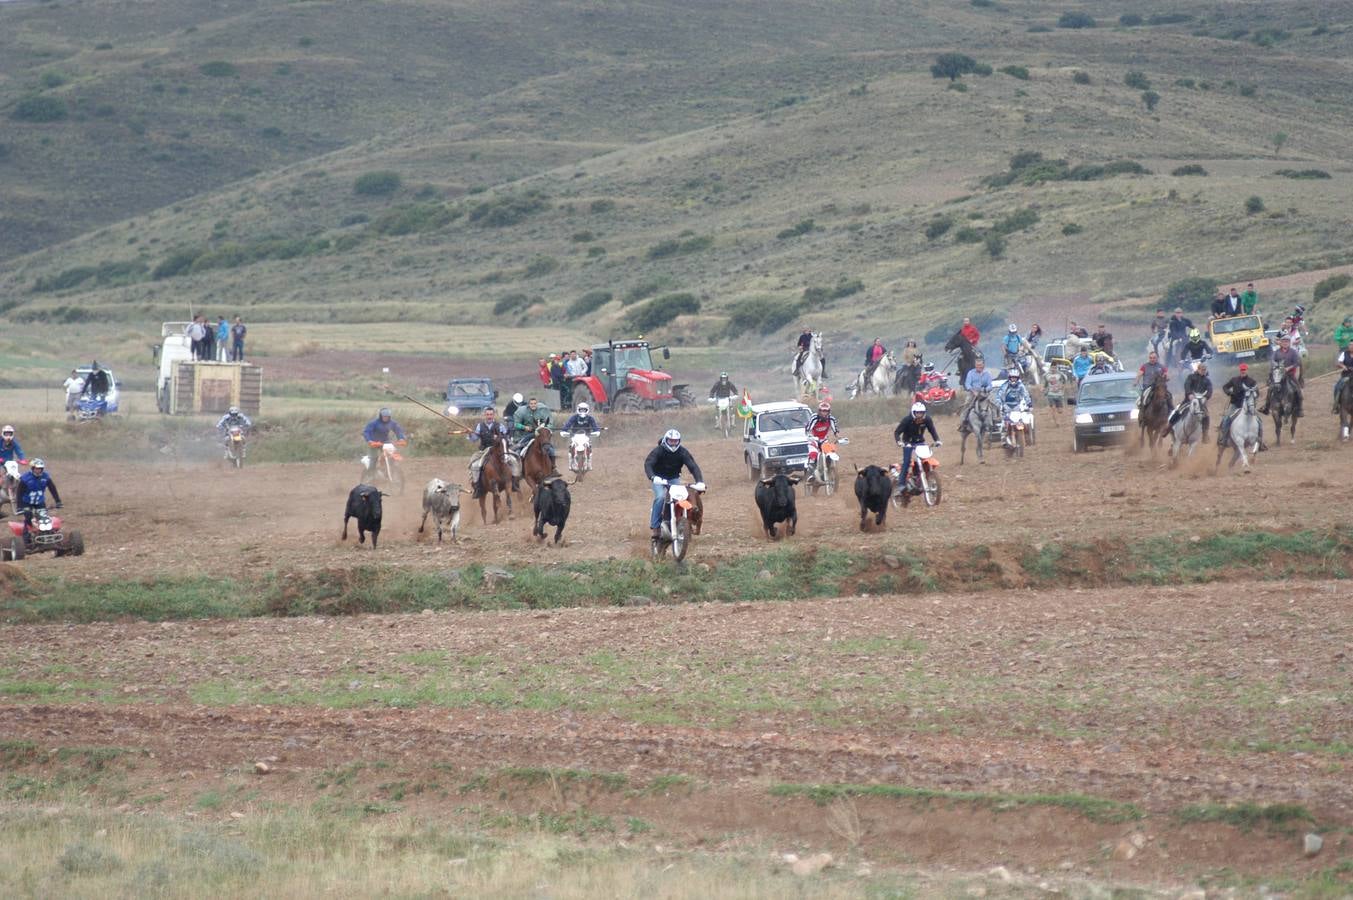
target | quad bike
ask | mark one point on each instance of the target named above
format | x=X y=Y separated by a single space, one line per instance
x=235 y=446
x=936 y=393
x=823 y=475
x=675 y=530
x=386 y=465
x=9 y=486
x=923 y=480
x=45 y=534
x=579 y=452
x=91 y=409
x=723 y=415
x=1019 y=430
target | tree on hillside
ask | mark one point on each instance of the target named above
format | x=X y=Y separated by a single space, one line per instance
x=1279 y=138
x=1150 y=98
x=952 y=66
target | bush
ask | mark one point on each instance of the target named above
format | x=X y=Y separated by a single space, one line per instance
x=679 y=247
x=1130 y=20
x=582 y=237
x=1268 y=37
x=957 y=86
x=1169 y=19
x=39 y=109
x=414 y=218
x=648 y=288
x=937 y=227
x=177 y=263
x=1303 y=174
x=952 y=66
x=511 y=303
x=807 y=226
x=1248 y=90
x=1075 y=20
x=1190 y=169
x=1071 y=228
x=1185 y=83
x=218 y=69
x=108 y=274
x=1191 y=294
x=982 y=69
x=823 y=295
x=1038 y=29
x=594 y=252
x=588 y=303
x=381 y=183
x=1080 y=77
x=967 y=235
x=1254 y=205
x=540 y=267
x=1150 y=99
x=761 y=315
x=1137 y=81
x=661 y=310
x=1019 y=72
x=602 y=206
x=1017 y=221
x=1331 y=284
x=52 y=79
x=500 y=212
x=994 y=244
x=1029 y=168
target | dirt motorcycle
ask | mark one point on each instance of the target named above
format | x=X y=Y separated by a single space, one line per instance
x=9 y=486
x=579 y=452
x=235 y=446
x=723 y=415
x=386 y=464
x=922 y=481
x=1019 y=430
x=823 y=477
x=44 y=535
x=675 y=528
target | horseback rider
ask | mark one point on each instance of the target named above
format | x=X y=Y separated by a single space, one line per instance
x=1195 y=348
x=510 y=410
x=1159 y=328
x=1290 y=359
x=525 y=422
x=978 y=380
x=1150 y=371
x=1235 y=389
x=1103 y=340
x=723 y=388
x=485 y=432
x=1177 y=326
x=817 y=429
x=1082 y=364
x=803 y=348
x=582 y=421
x=663 y=467
x=1343 y=364
x=1200 y=385
x=1075 y=330
x=911 y=431
x=1011 y=344
x=33 y=487
x=970 y=332
x=872 y=356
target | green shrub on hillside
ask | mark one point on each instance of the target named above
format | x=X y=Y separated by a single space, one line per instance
x=1254 y=205
x=1248 y=90
x=660 y=311
x=381 y=183
x=761 y=315
x=1080 y=77
x=1016 y=221
x=4 y=152
x=540 y=267
x=937 y=227
x=1267 y=37
x=1072 y=19
x=649 y=287
x=588 y=303
x=1190 y=169
x=1303 y=174
x=1130 y=20
x=843 y=288
x=511 y=303
x=968 y=235
x=508 y=209
x=52 y=79
x=1191 y=294
x=56 y=315
x=108 y=274
x=952 y=66
x=1020 y=72
x=994 y=244
x=1150 y=99
x=602 y=206
x=1039 y=29
x=807 y=226
x=218 y=69
x=414 y=218
x=582 y=237
x=37 y=108
x=1071 y=228
x=680 y=247
x=1029 y=167
x=1137 y=81
x=1331 y=284
x=957 y=86
x=175 y=264
x=1169 y=18
x=982 y=69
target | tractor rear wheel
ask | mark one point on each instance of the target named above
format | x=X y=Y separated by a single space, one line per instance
x=684 y=396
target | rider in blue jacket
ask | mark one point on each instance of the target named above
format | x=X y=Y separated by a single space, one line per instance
x=582 y=421
x=383 y=428
x=9 y=447
x=1012 y=343
x=33 y=487
x=1014 y=394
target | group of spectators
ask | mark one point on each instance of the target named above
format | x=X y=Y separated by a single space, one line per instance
x=557 y=373
x=221 y=342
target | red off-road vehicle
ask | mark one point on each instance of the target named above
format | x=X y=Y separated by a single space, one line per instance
x=625 y=380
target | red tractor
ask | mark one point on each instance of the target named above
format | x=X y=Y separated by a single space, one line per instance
x=624 y=380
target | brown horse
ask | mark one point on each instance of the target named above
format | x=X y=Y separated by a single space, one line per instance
x=1284 y=397
x=536 y=464
x=495 y=478
x=1154 y=418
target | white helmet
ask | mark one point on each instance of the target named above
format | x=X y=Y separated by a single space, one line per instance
x=518 y=399
x=234 y=411
x=7 y=431
x=583 y=409
x=1014 y=329
x=38 y=464
x=672 y=439
x=918 y=408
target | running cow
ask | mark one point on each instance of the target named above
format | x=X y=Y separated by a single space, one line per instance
x=364 y=505
x=775 y=500
x=441 y=500
x=873 y=488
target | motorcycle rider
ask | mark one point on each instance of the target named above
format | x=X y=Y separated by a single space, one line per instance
x=910 y=432
x=232 y=418
x=663 y=467
x=723 y=388
x=582 y=421
x=1235 y=389
x=1011 y=344
x=1177 y=327
x=817 y=429
x=1147 y=375
x=1014 y=395
x=1343 y=364
x=382 y=430
x=516 y=403
x=10 y=451
x=1290 y=359
x=1197 y=383
x=33 y=488
x=525 y=421
x=1196 y=349
x=485 y=432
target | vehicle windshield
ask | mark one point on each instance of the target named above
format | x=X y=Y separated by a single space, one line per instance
x=1234 y=324
x=469 y=389
x=627 y=358
x=1115 y=391
x=783 y=420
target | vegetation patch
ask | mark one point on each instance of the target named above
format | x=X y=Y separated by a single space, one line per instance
x=1303 y=174
x=1074 y=19
x=1137 y=81
x=807 y=226
x=381 y=183
x=953 y=66
x=761 y=315
x=1020 y=72
x=107 y=274
x=1191 y=294
x=938 y=227
x=512 y=303
x=1327 y=286
x=844 y=288
x=39 y=108
x=588 y=303
x=1190 y=169
x=1030 y=168
x=509 y=209
x=1095 y=809
x=661 y=310
x=649 y=287
x=415 y=218
x=218 y=69
x=1247 y=816
x=680 y=246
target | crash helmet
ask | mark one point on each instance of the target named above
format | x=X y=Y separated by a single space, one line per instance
x=723 y=376
x=824 y=408
x=1195 y=334
x=928 y=367
x=1014 y=375
x=1299 y=310
x=1013 y=329
x=518 y=399
x=918 y=408
x=38 y=463
x=234 y=411
x=583 y=409
x=672 y=440
x=384 y=412
x=7 y=431
x=1243 y=368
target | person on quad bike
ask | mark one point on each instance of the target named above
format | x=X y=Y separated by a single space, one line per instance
x=525 y=421
x=928 y=377
x=96 y=385
x=485 y=432
x=723 y=388
x=582 y=421
x=10 y=451
x=1196 y=348
x=33 y=488
x=1011 y=344
x=911 y=431
x=818 y=429
x=663 y=467
x=1197 y=383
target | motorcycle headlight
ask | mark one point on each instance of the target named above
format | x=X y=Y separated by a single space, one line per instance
x=1135 y=412
x=1084 y=418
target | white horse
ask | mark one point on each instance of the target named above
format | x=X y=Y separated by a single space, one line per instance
x=808 y=375
x=1242 y=433
x=879 y=382
x=1188 y=430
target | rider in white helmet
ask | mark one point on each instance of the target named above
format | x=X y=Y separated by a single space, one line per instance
x=663 y=467
x=510 y=410
x=582 y=421
x=1011 y=344
x=911 y=431
x=818 y=429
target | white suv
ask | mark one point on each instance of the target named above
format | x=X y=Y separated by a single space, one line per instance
x=773 y=439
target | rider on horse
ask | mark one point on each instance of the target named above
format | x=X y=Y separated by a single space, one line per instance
x=1344 y=366
x=817 y=429
x=1177 y=326
x=970 y=332
x=1290 y=359
x=1150 y=371
x=1235 y=389
x=979 y=379
x=872 y=357
x=485 y=433
x=526 y=421
x=1196 y=384
x=802 y=348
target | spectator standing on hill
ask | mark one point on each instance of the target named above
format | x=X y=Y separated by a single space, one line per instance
x=237 y=333
x=1344 y=333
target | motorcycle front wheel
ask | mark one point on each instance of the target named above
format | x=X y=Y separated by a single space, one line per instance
x=681 y=539
x=930 y=488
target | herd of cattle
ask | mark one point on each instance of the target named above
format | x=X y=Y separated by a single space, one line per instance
x=775 y=501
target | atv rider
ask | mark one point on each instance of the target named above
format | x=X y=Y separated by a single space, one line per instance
x=663 y=467
x=1235 y=389
x=1196 y=384
x=33 y=488
x=10 y=451
x=817 y=429
x=485 y=432
x=96 y=385
x=582 y=421
x=525 y=422
x=910 y=432
x=1290 y=359
x=928 y=377
x=1196 y=349
x=723 y=388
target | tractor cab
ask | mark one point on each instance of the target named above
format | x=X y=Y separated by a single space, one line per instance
x=624 y=379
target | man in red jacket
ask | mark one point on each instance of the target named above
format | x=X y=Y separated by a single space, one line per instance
x=970 y=332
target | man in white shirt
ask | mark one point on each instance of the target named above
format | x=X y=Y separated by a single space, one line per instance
x=75 y=386
x=575 y=366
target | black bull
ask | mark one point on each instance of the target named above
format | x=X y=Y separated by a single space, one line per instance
x=873 y=488
x=775 y=500
x=551 y=504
